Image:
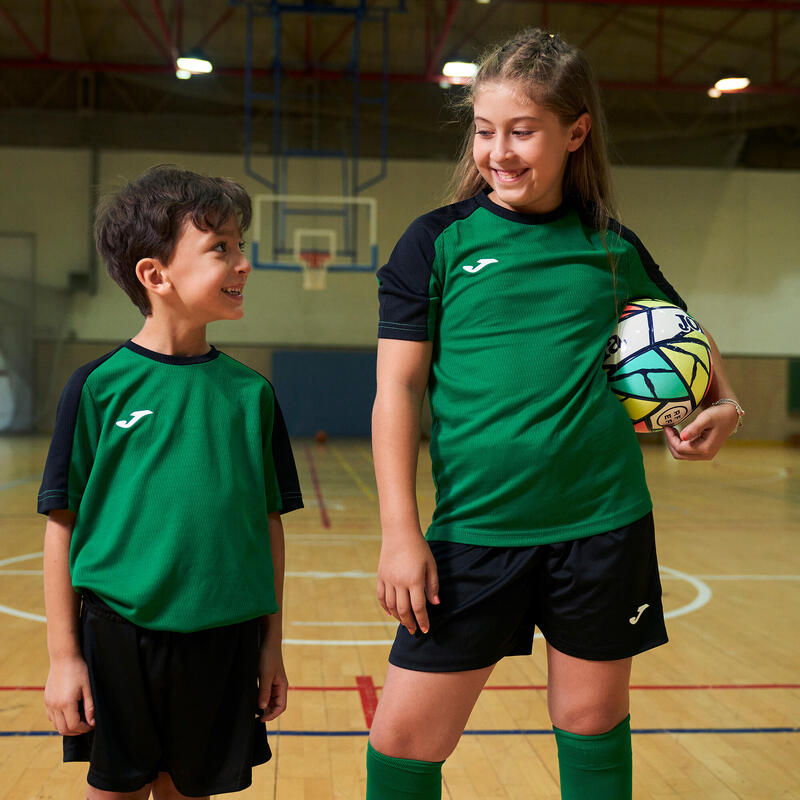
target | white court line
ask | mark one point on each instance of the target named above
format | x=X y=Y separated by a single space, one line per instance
x=343 y=624
x=17 y=559
x=15 y=612
x=326 y=575
x=702 y=597
x=748 y=577
x=19 y=482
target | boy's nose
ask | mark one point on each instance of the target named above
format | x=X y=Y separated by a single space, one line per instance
x=244 y=266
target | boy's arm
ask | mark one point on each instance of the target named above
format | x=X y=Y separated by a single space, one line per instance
x=702 y=438
x=407 y=572
x=272 y=681
x=68 y=680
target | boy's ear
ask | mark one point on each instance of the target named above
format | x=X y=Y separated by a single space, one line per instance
x=580 y=130
x=151 y=274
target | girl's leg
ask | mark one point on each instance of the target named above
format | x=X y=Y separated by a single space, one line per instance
x=588 y=703
x=418 y=722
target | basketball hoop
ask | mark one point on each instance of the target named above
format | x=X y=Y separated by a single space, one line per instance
x=315 y=268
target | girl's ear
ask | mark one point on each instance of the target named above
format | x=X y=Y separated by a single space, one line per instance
x=151 y=274
x=579 y=130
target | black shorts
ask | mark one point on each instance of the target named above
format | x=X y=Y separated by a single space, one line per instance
x=597 y=598
x=182 y=703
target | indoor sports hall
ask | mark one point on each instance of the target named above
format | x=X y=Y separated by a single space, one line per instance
x=339 y=120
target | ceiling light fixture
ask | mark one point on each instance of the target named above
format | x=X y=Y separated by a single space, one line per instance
x=732 y=81
x=183 y=74
x=194 y=63
x=458 y=72
x=714 y=92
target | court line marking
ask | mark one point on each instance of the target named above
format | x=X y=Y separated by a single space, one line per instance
x=351 y=472
x=489 y=732
x=19 y=482
x=312 y=470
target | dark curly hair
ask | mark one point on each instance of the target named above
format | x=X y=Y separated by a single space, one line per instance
x=144 y=220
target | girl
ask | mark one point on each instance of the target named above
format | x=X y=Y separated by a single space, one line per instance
x=500 y=305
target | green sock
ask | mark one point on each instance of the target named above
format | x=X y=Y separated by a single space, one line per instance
x=402 y=778
x=600 y=767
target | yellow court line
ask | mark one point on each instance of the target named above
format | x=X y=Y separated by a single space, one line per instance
x=366 y=454
x=351 y=472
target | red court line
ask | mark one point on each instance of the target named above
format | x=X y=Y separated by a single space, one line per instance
x=323 y=512
x=369 y=697
x=364 y=684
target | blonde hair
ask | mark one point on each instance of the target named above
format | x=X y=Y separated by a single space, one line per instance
x=558 y=77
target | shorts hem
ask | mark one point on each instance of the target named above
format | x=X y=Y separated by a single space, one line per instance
x=106 y=784
x=606 y=654
x=439 y=667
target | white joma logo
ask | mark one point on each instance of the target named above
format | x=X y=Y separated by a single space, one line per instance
x=482 y=262
x=639 y=612
x=135 y=417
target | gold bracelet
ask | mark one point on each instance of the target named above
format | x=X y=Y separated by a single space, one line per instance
x=739 y=409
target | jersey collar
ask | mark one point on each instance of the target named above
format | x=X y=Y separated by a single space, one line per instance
x=175 y=360
x=484 y=201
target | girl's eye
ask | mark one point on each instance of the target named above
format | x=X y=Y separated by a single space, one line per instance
x=484 y=134
x=522 y=133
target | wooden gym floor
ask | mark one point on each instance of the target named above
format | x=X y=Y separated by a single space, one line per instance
x=715 y=714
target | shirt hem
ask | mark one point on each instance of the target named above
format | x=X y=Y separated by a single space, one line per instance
x=532 y=538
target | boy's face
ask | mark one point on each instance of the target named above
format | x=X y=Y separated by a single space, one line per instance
x=207 y=273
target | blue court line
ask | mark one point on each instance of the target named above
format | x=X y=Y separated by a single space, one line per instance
x=491 y=732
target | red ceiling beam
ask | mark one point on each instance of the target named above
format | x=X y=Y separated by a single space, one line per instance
x=238 y=72
x=20 y=33
x=166 y=35
x=715 y=37
x=600 y=28
x=224 y=17
x=150 y=35
x=431 y=69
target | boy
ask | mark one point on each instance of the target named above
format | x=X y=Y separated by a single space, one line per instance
x=167 y=474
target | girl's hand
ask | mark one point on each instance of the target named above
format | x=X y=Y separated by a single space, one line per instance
x=701 y=439
x=68 y=697
x=407 y=575
x=273 y=684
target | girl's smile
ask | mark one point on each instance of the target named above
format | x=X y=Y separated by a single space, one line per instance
x=521 y=148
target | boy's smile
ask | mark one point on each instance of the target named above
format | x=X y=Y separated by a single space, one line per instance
x=207 y=273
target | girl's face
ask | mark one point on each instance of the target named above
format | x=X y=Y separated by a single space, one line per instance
x=521 y=149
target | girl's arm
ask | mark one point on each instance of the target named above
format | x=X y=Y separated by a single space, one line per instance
x=406 y=570
x=68 y=680
x=702 y=438
x=273 y=684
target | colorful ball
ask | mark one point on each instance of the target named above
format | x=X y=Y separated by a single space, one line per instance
x=658 y=363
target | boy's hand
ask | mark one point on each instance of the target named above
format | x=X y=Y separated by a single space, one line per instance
x=407 y=575
x=272 y=682
x=702 y=438
x=66 y=691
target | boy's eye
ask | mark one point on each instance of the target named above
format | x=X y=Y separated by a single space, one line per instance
x=220 y=247
x=242 y=245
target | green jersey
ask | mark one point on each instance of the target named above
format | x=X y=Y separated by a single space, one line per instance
x=528 y=444
x=172 y=465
